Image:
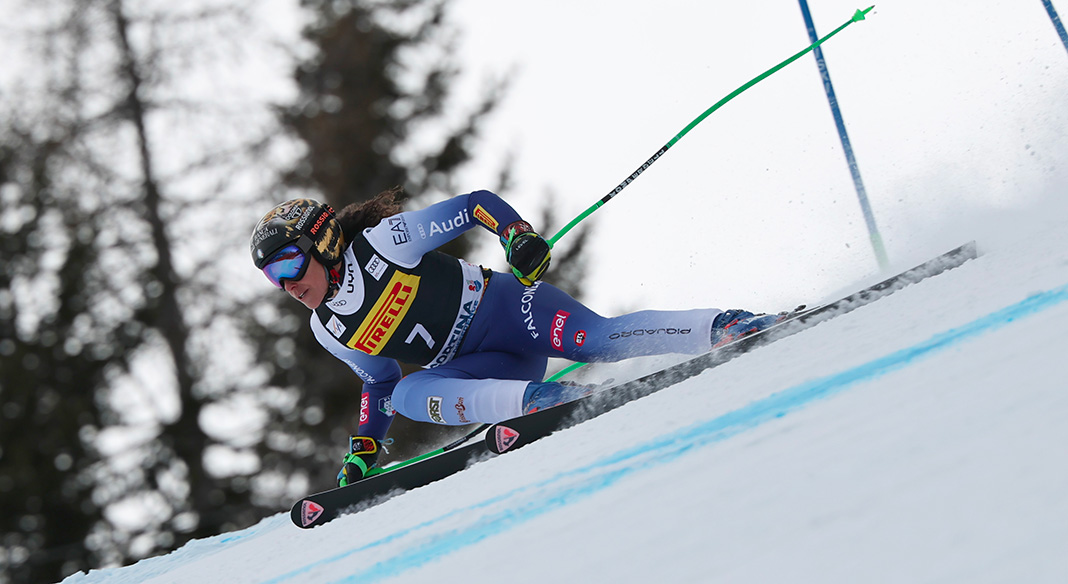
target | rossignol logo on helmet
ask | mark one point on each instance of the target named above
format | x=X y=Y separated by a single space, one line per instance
x=319 y=222
x=303 y=219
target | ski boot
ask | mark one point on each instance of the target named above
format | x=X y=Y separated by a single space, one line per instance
x=363 y=453
x=733 y=324
x=539 y=396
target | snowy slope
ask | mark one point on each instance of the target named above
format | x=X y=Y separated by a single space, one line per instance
x=918 y=439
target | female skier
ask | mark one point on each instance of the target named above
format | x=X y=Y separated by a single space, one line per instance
x=380 y=293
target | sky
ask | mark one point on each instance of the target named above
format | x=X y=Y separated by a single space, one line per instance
x=869 y=448
x=955 y=112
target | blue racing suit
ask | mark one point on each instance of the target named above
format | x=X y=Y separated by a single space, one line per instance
x=481 y=336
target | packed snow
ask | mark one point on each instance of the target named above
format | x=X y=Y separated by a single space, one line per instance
x=918 y=439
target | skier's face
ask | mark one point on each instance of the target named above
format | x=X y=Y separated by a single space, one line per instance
x=311 y=289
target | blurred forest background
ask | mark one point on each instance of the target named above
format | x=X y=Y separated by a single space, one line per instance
x=153 y=388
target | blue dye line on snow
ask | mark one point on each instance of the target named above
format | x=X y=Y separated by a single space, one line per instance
x=569 y=487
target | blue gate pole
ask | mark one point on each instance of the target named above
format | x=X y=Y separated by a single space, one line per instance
x=865 y=206
x=1056 y=21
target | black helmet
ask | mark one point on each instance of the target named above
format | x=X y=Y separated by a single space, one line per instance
x=305 y=222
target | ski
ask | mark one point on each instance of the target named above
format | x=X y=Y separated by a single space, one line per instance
x=319 y=508
x=517 y=432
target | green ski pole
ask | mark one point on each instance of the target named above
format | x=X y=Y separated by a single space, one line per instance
x=450 y=446
x=857 y=16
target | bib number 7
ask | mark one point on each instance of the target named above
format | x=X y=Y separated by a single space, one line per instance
x=420 y=331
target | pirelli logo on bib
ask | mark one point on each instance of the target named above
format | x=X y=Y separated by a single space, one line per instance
x=385 y=316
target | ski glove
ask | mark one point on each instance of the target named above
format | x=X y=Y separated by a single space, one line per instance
x=527 y=252
x=363 y=453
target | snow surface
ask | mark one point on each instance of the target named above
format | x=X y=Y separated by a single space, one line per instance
x=921 y=438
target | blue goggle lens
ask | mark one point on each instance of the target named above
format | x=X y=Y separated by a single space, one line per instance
x=288 y=264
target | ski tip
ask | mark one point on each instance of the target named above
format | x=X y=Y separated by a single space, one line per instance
x=307 y=513
x=860 y=14
x=503 y=438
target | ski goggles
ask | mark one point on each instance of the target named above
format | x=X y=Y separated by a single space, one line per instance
x=289 y=263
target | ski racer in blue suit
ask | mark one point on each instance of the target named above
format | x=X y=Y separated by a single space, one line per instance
x=380 y=293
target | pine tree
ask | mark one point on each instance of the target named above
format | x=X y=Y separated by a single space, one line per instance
x=128 y=187
x=110 y=347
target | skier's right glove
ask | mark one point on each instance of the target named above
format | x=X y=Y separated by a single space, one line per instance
x=363 y=453
x=527 y=252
